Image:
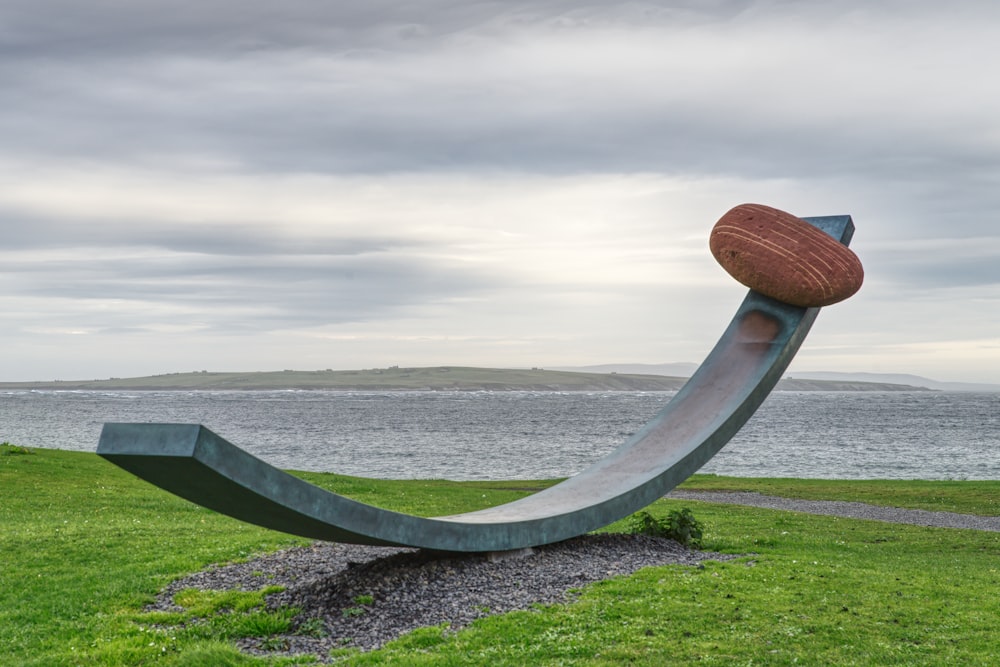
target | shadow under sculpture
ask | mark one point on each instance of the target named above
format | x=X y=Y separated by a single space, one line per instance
x=738 y=374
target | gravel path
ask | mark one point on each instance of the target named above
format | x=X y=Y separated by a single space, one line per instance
x=850 y=510
x=363 y=597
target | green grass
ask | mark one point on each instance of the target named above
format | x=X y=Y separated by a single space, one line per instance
x=86 y=545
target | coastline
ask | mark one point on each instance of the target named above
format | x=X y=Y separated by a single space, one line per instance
x=437 y=378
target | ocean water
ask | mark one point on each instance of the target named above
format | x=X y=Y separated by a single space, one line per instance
x=532 y=435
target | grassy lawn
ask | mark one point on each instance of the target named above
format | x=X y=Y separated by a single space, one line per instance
x=86 y=545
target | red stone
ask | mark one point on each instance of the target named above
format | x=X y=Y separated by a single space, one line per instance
x=784 y=257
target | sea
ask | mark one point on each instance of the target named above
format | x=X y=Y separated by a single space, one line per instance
x=535 y=435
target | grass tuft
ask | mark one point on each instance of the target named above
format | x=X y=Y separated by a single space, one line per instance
x=7 y=449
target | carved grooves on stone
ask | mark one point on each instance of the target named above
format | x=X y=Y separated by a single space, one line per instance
x=784 y=257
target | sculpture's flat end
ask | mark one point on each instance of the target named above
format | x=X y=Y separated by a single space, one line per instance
x=171 y=440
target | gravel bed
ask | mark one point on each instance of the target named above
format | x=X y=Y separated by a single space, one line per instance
x=409 y=589
x=851 y=510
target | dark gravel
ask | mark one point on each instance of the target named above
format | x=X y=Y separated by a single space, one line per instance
x=409 y=589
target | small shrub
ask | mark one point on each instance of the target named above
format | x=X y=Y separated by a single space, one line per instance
x=678 y=525
x=273 y=644
x=7 y=449
x=362 y=602
x=312 y=627
x=261 y=624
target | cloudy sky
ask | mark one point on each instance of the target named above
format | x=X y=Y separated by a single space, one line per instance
x=250 y=185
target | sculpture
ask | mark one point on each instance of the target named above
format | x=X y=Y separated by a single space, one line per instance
x=732 y=382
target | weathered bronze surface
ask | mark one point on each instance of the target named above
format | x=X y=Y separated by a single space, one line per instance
x=732 y=382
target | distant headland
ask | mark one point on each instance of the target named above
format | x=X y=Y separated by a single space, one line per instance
x=435 y=378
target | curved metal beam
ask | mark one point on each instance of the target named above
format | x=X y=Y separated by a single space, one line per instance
x=735 y=378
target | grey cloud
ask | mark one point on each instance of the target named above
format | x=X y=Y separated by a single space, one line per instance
x=936 y=269
x=254 y=278
x=54 y=27
x=254 y=292
x=457 y=125
x=332 y=92
x=34 y=232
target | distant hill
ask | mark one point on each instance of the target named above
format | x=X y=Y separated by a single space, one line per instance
x=443 y=378
x=683 y=369
x=896 y=378
x=864 y=379
x=460 y=378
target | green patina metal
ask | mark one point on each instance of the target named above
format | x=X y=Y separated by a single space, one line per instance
x=749 y=359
